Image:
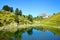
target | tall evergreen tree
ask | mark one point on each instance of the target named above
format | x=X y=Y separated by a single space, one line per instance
x=20 y=13
x=11 y=9
x=6 y=7
x=17 y=11
x=30 y=18
x=53 y=13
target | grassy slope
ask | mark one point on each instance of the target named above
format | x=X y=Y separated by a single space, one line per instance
x=53 y=20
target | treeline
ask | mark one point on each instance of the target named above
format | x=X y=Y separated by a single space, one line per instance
x=10 y=9
x=8 y=15
x=7 y=8
x=17 y=12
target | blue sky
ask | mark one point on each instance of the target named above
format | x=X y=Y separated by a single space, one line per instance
x=33 y=7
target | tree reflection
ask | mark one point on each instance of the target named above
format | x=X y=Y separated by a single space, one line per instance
x=18 y=34
x=30 y=31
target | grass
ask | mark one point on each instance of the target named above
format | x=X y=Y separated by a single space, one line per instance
x=53 y=20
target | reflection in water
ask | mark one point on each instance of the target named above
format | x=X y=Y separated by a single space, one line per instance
x=41 y=29
x=38 y=33
x=30 y=32
x=17 y=35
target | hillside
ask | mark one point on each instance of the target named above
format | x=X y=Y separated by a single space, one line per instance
x=53 y=20
x=7 y=18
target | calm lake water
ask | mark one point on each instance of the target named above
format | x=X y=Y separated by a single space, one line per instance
x=40 y=35
x=31 y=34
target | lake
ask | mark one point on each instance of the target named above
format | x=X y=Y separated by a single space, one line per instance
x=31 y=34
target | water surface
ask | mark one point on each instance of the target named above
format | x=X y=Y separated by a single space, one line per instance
x=40 y=35
x=32 y=34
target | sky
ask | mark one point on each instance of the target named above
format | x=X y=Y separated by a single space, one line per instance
x=33 y=7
